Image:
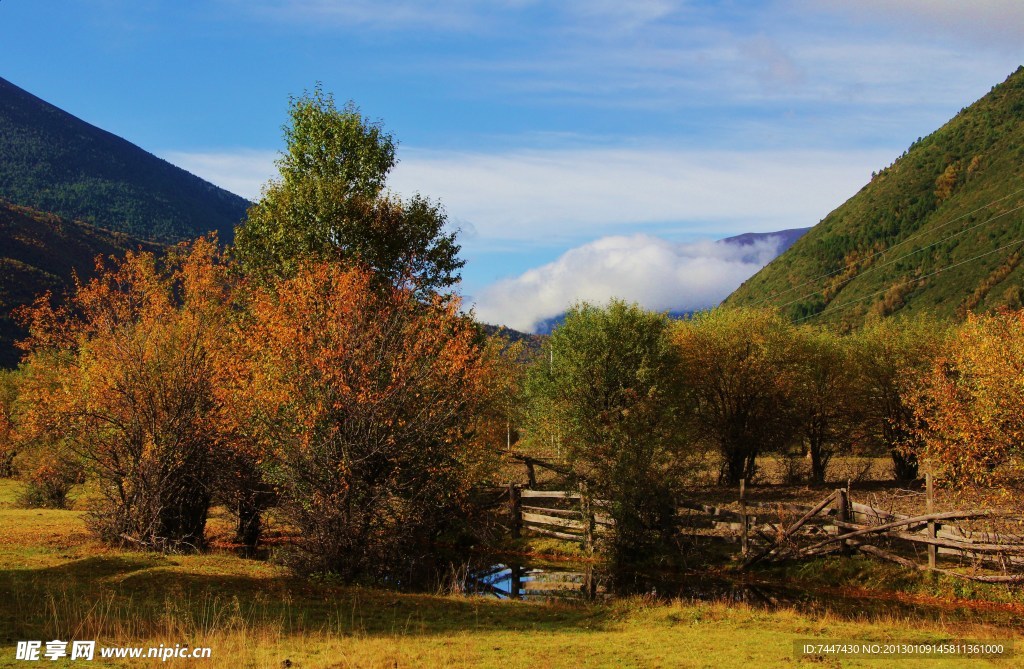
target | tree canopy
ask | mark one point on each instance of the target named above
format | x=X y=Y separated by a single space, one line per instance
x=606 y=388
x=329 y=203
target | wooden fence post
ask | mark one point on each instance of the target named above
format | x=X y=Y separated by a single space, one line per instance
x=588 y=518
x=930 y=508
x=744 y=539
x=515 y=508
x=590 y=582
x=843 y=512
x=515 y=581
x=531 y=473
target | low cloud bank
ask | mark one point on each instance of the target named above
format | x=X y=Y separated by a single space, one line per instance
x=656 y=273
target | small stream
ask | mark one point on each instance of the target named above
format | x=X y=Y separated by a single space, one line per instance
x=583 y=583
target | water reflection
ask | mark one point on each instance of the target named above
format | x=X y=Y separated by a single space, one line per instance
x=516 y=580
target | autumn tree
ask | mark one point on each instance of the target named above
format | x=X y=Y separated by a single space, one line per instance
x=971 y=409
x=891 y=357
x=739 y=368
x=123 y=372
x=329 y=203
x=606 y=382
x=826 y=412
x=363 y=401
x=9 y=445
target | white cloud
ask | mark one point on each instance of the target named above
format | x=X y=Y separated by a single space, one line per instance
x=559 y=197
x=454 y=15
x=440 y=15
x=656 y=273
x=567 y=195
x=998 y=23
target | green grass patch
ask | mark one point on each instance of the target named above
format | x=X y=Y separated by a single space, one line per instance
x=57 y=582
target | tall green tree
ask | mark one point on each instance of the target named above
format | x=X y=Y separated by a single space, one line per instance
x=823 y=396
x=893 y=356
x=605 y=383
x=329 y=203
x=739 y=369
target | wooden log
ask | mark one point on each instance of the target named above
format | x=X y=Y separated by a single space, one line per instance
x=789 y=532
x=982 y=578
x=813 y=511
x=565 y=513
x=552 y=520
x=786 y=506
x=948 y=515
x=921 y=527
x=958 y=547
x=547 y=464
x=1009 y=549
x=886 y=555
x=952 y=532
x=549 y=494
x=552 y=533
x=868 y=510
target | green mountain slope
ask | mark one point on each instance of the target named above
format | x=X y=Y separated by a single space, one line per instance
x=40 y=252
x=941 y=230
x=52 y=161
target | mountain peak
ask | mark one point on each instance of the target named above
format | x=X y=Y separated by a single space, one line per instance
x=53 y=161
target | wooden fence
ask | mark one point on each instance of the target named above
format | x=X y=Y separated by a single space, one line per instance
x=773 y=531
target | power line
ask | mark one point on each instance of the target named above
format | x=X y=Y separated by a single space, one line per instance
x=907 y=254
x=889 y=249
x=909 y=281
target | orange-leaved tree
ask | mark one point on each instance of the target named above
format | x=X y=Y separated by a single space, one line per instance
x=123 y=372
x=9 y=443
x=362 y=400
x=972 y=406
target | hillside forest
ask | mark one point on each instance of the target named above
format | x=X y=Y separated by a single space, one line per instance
x=937 y=232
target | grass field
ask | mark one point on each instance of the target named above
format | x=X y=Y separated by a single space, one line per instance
x=57 y=582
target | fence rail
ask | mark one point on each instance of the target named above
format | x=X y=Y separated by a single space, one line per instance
x=774 y=531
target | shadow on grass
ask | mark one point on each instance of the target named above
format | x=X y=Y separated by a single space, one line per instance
x=152 y=595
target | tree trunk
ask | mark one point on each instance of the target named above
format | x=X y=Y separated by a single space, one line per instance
x=904 y=465
x=819 y=461
x=250 y=522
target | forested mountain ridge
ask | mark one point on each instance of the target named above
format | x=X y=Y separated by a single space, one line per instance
x=53 y=161
x=41 y=252
x=941 y=230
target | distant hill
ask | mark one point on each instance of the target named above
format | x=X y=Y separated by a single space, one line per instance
x=40 y=252
x=786 y=238
x=53 y=161
x=941 y=230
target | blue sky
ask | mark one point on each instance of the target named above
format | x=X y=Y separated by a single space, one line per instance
x=585 y=148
